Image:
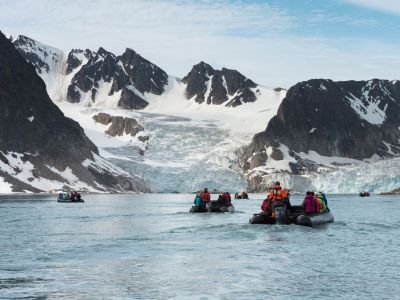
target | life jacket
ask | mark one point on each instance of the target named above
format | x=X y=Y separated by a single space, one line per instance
x=311 y=204
x=325 y=200
x=205 y=197
x=277 y=193
x=321 y=201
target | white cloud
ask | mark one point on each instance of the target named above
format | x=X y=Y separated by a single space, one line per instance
x=391 y=6
x=260 y=40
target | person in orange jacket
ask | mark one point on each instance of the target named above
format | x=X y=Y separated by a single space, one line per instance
x=278 y=197
x=277 y=193
x=206 y=199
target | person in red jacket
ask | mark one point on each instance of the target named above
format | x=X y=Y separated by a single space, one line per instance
x=266 y=207
x=206 y=199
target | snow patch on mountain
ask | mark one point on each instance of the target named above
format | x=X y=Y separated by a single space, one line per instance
x=48 y=61
x=368 y=111
x=5 y=187
x=24 y=171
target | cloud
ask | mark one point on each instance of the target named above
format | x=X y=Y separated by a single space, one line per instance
x=390 y=6
x=268 y=43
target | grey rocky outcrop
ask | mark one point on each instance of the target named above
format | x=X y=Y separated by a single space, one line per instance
x=120 y=125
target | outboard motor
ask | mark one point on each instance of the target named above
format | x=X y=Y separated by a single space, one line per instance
x=280 y=215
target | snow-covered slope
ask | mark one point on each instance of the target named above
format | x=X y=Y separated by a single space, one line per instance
x=191 y=144
x=48 y=61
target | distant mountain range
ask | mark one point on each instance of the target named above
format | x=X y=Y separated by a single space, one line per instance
x=320 y=127
x=127 y=80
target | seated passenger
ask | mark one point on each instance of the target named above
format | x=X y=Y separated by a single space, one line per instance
x=321 y=201
x=227 y=199
x=325 y=200
x=197 y=200
x=266 y=207
x=206 y=199
x=310 y=204
x=277 y=196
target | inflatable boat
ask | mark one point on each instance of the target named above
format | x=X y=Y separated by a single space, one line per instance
x=282 y=216
x=69 y=200
x=66 y=198
x=294 y=215
x=215 y=208
x=315 y=219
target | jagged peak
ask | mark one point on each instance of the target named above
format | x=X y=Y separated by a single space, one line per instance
x=103 y=52
x=203 y=66
x=130 y=51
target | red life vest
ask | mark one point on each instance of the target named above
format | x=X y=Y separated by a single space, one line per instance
x=205 y=196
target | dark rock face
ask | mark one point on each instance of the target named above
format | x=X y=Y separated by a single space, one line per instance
x=31 y=125
x=119 y=125
x=35 y=53
x=129 y=72
x=218 y=86
x=351 y=119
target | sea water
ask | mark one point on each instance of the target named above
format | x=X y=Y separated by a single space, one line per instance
x=149 y=247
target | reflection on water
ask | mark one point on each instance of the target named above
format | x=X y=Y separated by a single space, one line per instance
x=150 y=247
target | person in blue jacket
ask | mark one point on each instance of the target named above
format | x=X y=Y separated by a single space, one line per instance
x=197 y=200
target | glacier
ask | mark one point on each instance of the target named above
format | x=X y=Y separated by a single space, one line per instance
x=194 y=145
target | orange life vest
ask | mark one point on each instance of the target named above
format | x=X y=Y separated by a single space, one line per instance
x=277 y=193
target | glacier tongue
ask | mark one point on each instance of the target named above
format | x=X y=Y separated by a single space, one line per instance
x=183 y=155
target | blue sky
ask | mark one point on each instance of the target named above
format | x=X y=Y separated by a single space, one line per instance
x=274 y=42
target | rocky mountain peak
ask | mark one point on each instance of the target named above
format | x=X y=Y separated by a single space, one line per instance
x=225 y=86
x=130 y=74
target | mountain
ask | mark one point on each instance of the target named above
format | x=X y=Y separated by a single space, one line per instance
x=225 y=86
x=41 y=149
x=86 y=83
x=129 y=76
x=129 y=81
x=48 y=61
x=322 y=125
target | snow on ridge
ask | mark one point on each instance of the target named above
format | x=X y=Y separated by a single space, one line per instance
x=322 y=87
x=24 y=172
x=54 y=59
x=103 y=166
x=371 y=113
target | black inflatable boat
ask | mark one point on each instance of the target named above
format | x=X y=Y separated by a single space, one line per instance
x=294 y=215
x=215 y=208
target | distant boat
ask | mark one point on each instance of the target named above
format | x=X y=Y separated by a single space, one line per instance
x=364 y=194
x=66 y=197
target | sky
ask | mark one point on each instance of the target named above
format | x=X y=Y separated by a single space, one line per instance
x=273 y=42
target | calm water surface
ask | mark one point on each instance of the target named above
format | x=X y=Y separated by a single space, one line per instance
x=150 y=247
